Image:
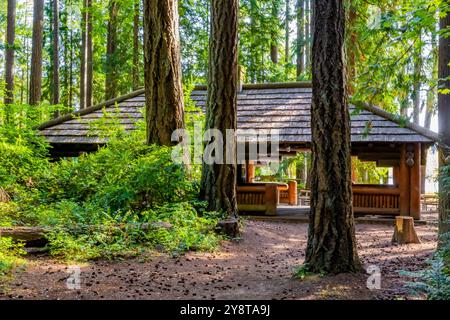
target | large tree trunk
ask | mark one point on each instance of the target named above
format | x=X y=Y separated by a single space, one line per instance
x=36 y=56
x=331 y=242
x=162 y=69
x=89 y=56
x=300 y=37
x=136 y=54
x=9 y=52
x=111 y=47
x=444 y=120
x=219 y=180
x=56 y=81
x=83 y=56
x=351 y=47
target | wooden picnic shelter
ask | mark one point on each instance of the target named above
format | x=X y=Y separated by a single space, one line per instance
x=376 y=135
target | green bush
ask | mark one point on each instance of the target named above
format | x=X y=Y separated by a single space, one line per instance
x=435 y=281
x=87 y=201
x=10 y=254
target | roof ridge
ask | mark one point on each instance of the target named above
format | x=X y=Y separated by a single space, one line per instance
x=268 y=85
x=82 y=112
x=398 y=119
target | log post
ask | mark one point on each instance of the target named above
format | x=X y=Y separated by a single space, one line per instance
x=293 y=193
x=404 y=183
x=354 y=171
x=272 y=199
x=405 y=231
x=251 y=171
x=415 y=183
x=396 y=174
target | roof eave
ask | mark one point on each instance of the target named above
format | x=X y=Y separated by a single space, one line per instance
x=399 y=120
x=82 y=112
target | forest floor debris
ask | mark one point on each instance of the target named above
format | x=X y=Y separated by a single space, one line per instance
x=260 y=266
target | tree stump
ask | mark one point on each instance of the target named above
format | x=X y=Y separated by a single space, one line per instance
x=405 y=231
x=229 y=227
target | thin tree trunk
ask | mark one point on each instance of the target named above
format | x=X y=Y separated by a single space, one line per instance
x=111 y=48
x=444 y=120
x=136 y=54
x=252 y=49
x=274 y=33
x=9 y=52
x=331 y=242
x=307 y=34
x=417 y=84
x=430 y=108
x=36 y=56
x=287 y=31
x=300 y=38
x=219 y=179
x=56 y=81
x=89 y=57
x=83 y=56
x=70 y=88
x=162 y=69
x=65 y=47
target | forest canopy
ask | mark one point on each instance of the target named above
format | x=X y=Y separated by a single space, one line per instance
x=130 y=197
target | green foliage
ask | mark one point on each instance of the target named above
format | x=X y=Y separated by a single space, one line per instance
x=435 y=281
x=10 y=256
x=369 y=173
x=86 y=200
x=302 y=272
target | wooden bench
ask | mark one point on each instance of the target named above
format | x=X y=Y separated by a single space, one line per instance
x=305 y=198
x=376 y=200
x=430 y=200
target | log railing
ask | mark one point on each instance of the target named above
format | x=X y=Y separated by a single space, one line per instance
x=289 y=193
x=258 y=198
x=265 y=197
x=383 y=200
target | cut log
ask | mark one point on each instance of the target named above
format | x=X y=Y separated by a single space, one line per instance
x=405 y=232
x=32 y=236
x=229 y=227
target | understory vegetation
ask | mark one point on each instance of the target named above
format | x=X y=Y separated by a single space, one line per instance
x=435 y=281
x=125 y=199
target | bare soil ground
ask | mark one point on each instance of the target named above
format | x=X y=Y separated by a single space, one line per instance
x=258 y=267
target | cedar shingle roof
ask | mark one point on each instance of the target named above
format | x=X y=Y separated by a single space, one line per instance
x=285 y=107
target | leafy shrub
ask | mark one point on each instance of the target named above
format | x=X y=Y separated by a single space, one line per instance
x=435 y=281
x=10 y=254
x=86 y=200
x=184 y=230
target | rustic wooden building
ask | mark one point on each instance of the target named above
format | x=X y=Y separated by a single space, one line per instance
x=376 y=135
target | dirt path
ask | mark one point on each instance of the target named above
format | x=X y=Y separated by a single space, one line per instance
x=259 y=267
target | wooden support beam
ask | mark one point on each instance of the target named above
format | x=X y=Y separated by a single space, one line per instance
x=293 y=193
x=396 y=172
x=272 y=198
x=251 y=172
x=415 y=183
x=388 y=163
x=404 y=183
